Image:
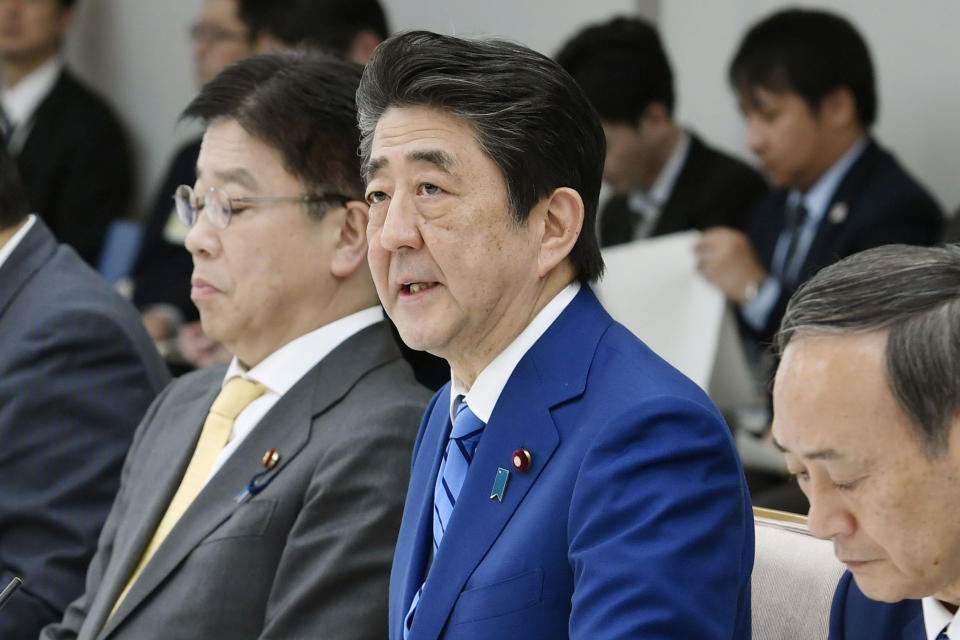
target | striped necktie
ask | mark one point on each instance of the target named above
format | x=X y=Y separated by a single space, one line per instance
x=464 y=437
x=231 y=401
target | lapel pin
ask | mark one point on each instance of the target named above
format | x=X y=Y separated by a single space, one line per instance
x=499 y=484
x=260 y=480
x=270 y=458
x=521 y=460
x=838 y=213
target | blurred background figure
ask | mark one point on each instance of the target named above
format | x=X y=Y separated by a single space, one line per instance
x=77 y=373
x=227 y=31
x=664 y=177
x=805 y=83
x=70 y=149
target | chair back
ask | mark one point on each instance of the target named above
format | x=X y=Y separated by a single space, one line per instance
x=794 y=577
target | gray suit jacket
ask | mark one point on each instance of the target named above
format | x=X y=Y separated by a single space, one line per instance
x=309 y=555
x=77 y=373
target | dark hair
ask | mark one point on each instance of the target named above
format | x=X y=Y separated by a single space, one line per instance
x=530 y=117
x=67 y=4
x=330 y=25
x=622 y=68
x=809 y=53
x=14 y=206
x=302 y=104
x=911 y=292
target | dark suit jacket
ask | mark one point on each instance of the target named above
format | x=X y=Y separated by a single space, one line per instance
x=854 y=616
x=712 y=189
x=76 y=166
x=162 y=272
x=633 y=520
x=77 y=372
x=308 y=556
x=883 y=205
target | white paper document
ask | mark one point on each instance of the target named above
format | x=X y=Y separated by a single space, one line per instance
x=653 y=288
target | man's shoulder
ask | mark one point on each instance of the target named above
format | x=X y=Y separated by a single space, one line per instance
x=887 y=185
x=73 y=106
x=854 y=616
x=720 y=166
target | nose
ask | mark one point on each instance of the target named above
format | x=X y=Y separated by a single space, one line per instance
x=203 y=240
x=756 y=139
x=399 y=225
x=829 y=516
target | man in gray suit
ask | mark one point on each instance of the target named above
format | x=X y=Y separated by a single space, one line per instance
x=77 y=371
x=287 y=530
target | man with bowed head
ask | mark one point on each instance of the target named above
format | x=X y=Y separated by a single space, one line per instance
x=567 y=482
x=867 y=410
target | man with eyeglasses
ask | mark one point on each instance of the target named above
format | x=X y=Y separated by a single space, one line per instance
x=262 y=499
x=70 y=149
x=227 y=31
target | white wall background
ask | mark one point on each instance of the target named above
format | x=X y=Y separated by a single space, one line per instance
x=915 y=51
x=137 y=53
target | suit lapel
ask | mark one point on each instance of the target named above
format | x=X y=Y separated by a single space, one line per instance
x=843 y=203
x=159 y=468
x=286 y=428
x=676 y=212
x=35 y=250
x=553 y=371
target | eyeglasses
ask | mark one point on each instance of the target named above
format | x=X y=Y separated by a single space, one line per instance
x=212 y=34
x=220 y=207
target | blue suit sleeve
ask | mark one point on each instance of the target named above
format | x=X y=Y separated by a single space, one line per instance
x=660 y=527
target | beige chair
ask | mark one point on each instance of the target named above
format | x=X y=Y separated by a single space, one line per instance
x=794 y=577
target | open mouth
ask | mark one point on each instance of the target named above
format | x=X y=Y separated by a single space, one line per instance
x=417 y=287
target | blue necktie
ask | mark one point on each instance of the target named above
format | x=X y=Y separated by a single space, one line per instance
x=943 y=634
x=464 y=437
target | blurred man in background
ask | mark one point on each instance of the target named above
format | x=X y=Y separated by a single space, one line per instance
x=71 y=151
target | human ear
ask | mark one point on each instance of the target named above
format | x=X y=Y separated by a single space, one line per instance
x=351 y=248
x=562 y=221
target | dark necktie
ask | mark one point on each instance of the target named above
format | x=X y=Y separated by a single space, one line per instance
x=796 y=217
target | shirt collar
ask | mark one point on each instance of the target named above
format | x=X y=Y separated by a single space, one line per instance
x=659 y=193
x=284 y=367
x=819 y=196
x=22 y=99
x=16 y=238
x=936 y=617
x=483 y=395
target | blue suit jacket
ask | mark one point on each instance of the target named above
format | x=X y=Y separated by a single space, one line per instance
x=633 y=520
x=854 y=616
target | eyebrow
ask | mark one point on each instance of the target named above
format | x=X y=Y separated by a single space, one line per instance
x=436 y=157
x=238 y=176
x=820 y=454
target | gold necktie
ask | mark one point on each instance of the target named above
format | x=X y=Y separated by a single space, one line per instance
x=233 y=398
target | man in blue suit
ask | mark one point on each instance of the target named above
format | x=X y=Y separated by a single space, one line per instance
x=567 y=482
x=866 y=407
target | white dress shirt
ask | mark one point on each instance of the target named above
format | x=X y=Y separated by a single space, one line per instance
x=283 y=368
x=22 y=99
x=649 y=204
x=936 y=617
x=483 y=395
x=16 y=238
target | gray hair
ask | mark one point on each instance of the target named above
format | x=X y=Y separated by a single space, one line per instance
x=529 y=115
x=913 y=293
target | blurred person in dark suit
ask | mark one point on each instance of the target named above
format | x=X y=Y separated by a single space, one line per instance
x=70 y=148
x=77 y=372
x=805 y=84
x=664 y=177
